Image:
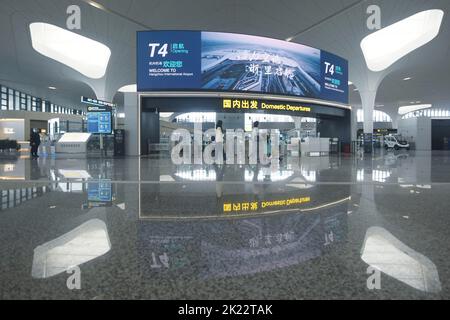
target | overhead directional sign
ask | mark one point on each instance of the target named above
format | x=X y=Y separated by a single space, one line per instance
x=96 y=102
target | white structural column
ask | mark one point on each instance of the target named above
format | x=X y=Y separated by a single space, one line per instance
x=395 y=118
x=132 y=125
x=368 y=83
x=368 y=103
x=298 y=122
x=354 y=123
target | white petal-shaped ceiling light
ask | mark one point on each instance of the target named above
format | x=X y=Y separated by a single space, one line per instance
x=405 y=109
x=384 y=47
x=128 y=88
x=87 y=56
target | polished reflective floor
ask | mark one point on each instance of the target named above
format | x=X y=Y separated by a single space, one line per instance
x=349 y=227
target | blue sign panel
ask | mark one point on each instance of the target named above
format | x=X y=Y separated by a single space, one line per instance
x=168 y=60
x=334 y=77
x=216 y=61
x=100 y=191
x=99 y=122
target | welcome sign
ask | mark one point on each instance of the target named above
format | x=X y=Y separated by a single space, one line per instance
x=216 y=61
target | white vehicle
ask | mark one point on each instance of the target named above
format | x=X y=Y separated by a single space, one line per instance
x=395 y=142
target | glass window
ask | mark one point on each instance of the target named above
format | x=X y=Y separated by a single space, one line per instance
x=33 y=104
x=16 y=100
x=4 y=98
x=378 y=116
x=23 y=101
x=39 y=104
x=28 y=102
x=10 y=99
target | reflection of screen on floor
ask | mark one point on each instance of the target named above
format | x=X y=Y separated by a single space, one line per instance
x=99 y=191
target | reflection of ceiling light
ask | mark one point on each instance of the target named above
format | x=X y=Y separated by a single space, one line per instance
x=96 y=5
x=384 y=252
x=84 y=243
x=197 y=175
x=166 y=178
x=380 y=175
x=87 y=56
x=407 y=78
x=405 y=109
x=52 y=88
x=128 y=88
x=383 y=48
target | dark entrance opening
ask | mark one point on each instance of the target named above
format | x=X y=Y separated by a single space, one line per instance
x=440 y=134
x=332 y=122
x=149 y=128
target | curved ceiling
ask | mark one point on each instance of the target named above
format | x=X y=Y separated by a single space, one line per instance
x=337 y=26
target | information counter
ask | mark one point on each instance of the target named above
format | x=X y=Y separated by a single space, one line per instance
x=73 y=142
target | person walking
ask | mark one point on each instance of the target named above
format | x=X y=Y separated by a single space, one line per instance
x=254 y=153
x=35 y=141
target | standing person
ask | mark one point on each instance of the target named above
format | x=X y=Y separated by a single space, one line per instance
x=219 y=141
x=35 y=141
x=255 y=133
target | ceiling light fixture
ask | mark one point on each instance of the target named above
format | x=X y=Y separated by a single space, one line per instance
x=383 y=48
x=407 y=78
x=128 y=88
x=96 y=5
x=350 y=83
x=87 y=56
x=406 y=109
x=52 y=88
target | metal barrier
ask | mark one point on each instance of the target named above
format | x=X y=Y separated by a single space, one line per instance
x=357 y=146
x=158 y=147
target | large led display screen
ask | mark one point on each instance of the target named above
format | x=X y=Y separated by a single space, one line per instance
x=216 y=61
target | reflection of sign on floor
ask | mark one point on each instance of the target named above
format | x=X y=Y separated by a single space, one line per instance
x=159 y=260
x=100 y=193
x=255 y=205
x=166 y=253
x=272 y=239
